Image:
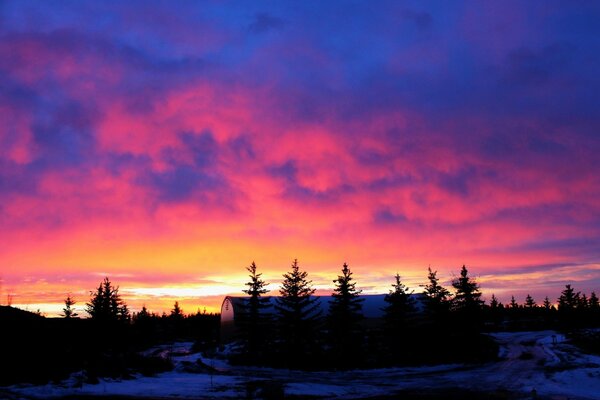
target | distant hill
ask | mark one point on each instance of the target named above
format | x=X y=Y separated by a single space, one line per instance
x=12 y=314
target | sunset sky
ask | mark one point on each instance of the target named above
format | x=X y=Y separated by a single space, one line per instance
x=167 y=145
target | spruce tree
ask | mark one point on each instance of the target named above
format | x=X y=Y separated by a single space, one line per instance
x=143 y=312
x=438 y=297
x=547 y=305
x=583 y=302
x=494 y=302
x=496 y=310
x=530 y=302
x=106 y=304
x=346 y=305
x=400 y=307
x=254 y=321
x=467 y=296
x=68 y=312
x=176 y=312
x=345 y=313
x=569 y=299
x=298 y=314
x=513 y=303
x=593 y=302
x=568 y=303
x=467 y=303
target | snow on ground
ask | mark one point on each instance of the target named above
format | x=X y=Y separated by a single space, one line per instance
x=170 y=384
x=541 y=361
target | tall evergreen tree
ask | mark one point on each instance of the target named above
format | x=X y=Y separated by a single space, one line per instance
x=467 y=297
x=345 y=312
x=593 y=302
x=142 y=316
x=494 y=302
x=569 y=299
x=254 y=317
x=68 y=312
x=583 y=302
x=547 y=305
x=513 y=303
x=400 y=306
x=467 y=303
x=106 y=304
x=176 y=312
x=438 y=297
x=530 y=302
x=298 y=314
x=346 y=306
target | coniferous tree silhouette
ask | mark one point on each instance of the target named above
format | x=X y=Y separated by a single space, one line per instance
x=106 y=304
x=583 y=302
x=593 y=301
x=530 y=302
x=494 y=304
x=297 y=316
x=345 y=313
x=254 y=321
x=176 y=312
x=513 y=303
x=438 y=297
x=400 y=304
x=68 y=312
x=568 y=302
x=143 y=312
x=467 y=295
x=569 y=299
x=400 y=308
x=496 y=310
x=547 y=305
x=467 y=300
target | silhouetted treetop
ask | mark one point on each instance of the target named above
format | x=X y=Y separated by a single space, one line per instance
x=68 y=312
x=296 y=299
x=569 y=299
x=467 y=292
x=106 y=303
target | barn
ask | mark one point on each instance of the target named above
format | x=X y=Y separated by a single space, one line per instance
x=373 y=305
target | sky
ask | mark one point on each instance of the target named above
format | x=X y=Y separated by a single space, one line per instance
x=167 y=145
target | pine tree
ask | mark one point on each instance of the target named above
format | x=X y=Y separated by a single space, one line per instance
x=593 y=302
x=530 y=302
x=106 y=305
x=345 y=313
x=346 y=306
x=400 y=306
x=143 y=313
x=467 y=297
x=68 y=312
x=254 y=321
x=569 y=299
x=438 y=297
x=494 y=302
x=547 y=304
x=496 y=310
x=176 y=312
x=297 y=315
x=142 y=317
x=467 y=303
x=513 y=303
x=583 y=302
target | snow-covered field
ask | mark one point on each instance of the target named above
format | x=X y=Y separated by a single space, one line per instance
x=531 y=362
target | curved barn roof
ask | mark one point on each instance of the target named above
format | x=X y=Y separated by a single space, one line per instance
x=372 y=305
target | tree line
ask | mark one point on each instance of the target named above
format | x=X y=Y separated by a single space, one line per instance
x=445 y=327
x=438 y=324
x=296 y=334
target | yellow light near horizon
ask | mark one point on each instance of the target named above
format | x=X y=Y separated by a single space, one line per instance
x=182 y=291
